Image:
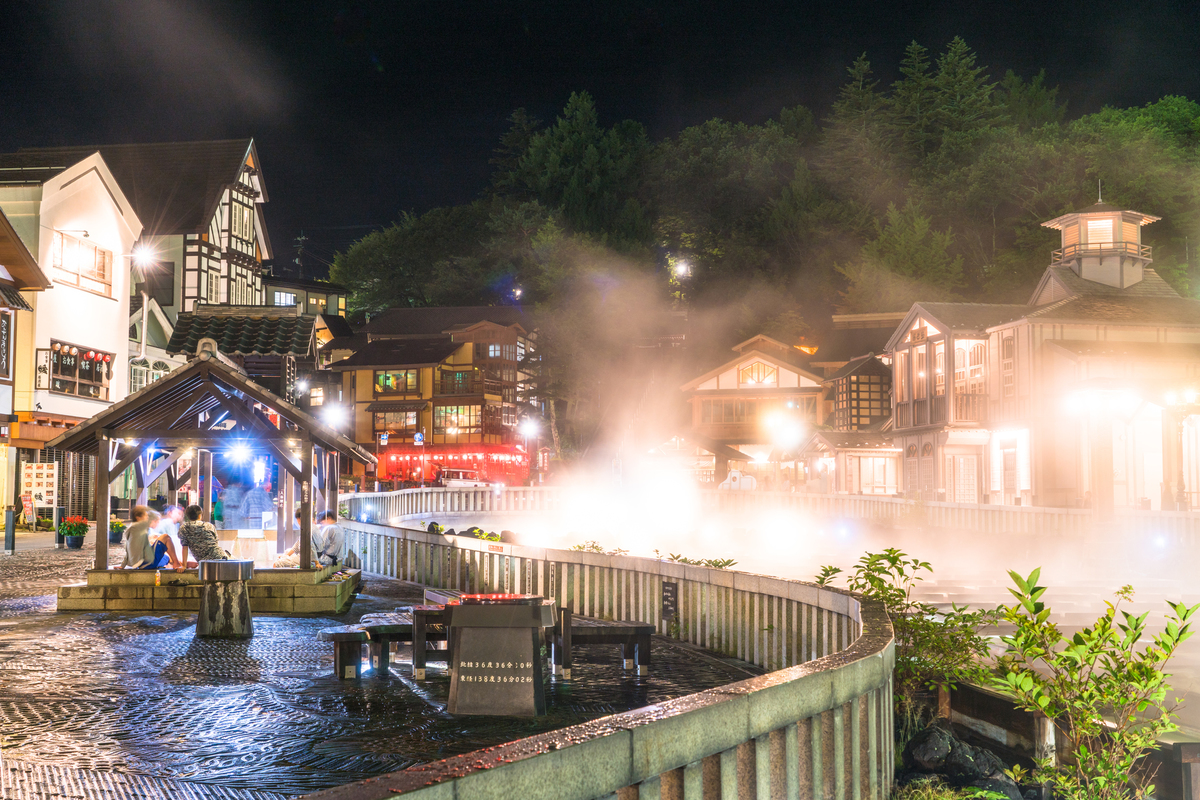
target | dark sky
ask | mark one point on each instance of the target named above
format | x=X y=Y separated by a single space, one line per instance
x=364 y=109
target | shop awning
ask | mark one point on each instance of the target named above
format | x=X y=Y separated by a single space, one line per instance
x=383 y=406
x=11 y=298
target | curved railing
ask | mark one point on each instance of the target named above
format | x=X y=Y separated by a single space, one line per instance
x=1182 y=526
x=820 y=725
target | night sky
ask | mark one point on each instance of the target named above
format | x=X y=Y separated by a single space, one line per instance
x=362 y=110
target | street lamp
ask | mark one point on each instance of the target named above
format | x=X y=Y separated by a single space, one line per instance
x=530 y=429
x=787 y=433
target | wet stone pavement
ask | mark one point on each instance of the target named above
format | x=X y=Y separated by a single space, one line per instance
x=132 y=706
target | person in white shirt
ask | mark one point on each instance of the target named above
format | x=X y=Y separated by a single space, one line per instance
x=329 y=542
x=143 y=550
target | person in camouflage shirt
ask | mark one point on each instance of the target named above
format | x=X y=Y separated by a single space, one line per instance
x=200 y=537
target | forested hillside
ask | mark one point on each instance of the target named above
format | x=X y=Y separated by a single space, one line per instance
x=934 y=186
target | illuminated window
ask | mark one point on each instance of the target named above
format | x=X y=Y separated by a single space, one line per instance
x=1100 y=231
x=400 y=423
x=975 y=376
x=319 y=302
x=758 y=374
x=241 y=222
x=80 y=263
x=454 y=420
x=902 y=376
x=212 y=292
x=285 y=298
x=939 y=369
x=404 y=381
x=79 y=371
x=1007 y=352
x=316 y=396
x=919 y=373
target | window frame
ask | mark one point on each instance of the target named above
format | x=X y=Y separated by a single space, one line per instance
x=58 y=373
x=414 y=382
x=75 y=278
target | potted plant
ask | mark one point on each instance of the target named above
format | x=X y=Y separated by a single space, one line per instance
x=73 y=529
x=116 y=529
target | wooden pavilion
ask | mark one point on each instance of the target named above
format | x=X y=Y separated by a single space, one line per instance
x=205 y=406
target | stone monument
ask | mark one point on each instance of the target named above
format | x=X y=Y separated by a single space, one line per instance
x=225 y=600
x=496 y=642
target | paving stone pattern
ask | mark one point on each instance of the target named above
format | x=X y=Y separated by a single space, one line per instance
x=133 y=706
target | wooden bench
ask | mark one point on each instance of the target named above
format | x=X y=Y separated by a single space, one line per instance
x=347 y=649
x=571 y=630
x=421 y=624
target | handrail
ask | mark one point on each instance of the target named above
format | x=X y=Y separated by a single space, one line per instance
x=820 y=725
x=1073 y=251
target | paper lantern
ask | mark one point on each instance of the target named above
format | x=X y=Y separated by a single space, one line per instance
x=91 y=355
x=107 y=358
x=57 y=347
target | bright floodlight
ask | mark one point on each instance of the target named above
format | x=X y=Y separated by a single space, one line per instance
x=334 y=416
x=143 y=255
x=682 y=268
x=517 y=292
x=530 y=427
x=301 y=386
x=238 y=453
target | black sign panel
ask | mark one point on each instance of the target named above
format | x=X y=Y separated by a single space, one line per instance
x=670 y=601
x=5 y=344
x=497 y=671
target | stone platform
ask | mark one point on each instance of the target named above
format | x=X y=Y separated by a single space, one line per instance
x=272 y=591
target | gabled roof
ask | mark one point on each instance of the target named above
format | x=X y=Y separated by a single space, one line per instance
x=960 y=318
x=337 y=325
x=868 y=363
x=1070 y=284
x=842 y=344
x=771 y=358
x=20 y=263
x=418 y=322
x=174 y=187
x=253 y=332
x=398 y=353
x=169 y=408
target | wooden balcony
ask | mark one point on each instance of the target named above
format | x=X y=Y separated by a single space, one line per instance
x=970 y=407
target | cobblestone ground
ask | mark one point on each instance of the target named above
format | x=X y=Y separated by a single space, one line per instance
x=133 y=706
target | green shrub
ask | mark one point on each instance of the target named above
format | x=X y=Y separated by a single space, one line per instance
x=1108 y=690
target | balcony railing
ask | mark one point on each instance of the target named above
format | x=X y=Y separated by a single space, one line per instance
x=970 y=408
x=904 y=415
x=939 y=408
x=1074 y=251
x=449 y=386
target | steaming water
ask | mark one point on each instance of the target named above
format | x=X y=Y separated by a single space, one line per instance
x=968 y=567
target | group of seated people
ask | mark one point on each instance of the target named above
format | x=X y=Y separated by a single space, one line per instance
x=163 y=541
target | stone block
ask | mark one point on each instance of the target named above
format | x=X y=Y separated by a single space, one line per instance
x=191 y=592
x=715 y=723
x=99 y=577
x=128 y=577
x=115 y=592
x=315 y=605
x=271 y=590
x=81 y=592
x=271 y=605
x=326 y=589
x=263 y=577
x=80 y=603
x=117 y=604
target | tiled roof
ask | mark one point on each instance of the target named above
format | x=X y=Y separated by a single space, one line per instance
x=381 y=406
x=173 y=187
x=1151 y=285
x=337 y=325
x=975 y=316
x=399 y=353
x=435 y=321
x=308 y=286
x=245 y=335
x=11 y=298
x=1121 y=310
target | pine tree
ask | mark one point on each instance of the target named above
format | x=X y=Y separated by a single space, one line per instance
x=912 y=103
x=965 y=97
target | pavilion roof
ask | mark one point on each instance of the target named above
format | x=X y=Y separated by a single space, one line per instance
x=167 y=411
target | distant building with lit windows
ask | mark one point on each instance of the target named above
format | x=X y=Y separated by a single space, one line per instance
x=738 y=408
x=431 y=389
x=1086 y=396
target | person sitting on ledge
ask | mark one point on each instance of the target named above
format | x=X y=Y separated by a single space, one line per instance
x=329 y=542
x=141 y=550
x=200 y=537
x=290 y=558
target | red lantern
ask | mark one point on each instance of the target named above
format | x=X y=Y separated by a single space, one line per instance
x=91 y=355
x=107 y=358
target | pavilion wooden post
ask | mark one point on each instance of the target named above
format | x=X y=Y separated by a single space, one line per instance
x=318 y=484
x=205 y=481
x=332 y=466
x=283 y=480
x=306 y=495
x=139 y=475
x=288 y=512
x=102 y=490
x=173 y=484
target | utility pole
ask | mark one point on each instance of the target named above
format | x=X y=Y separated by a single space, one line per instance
x=299 y=259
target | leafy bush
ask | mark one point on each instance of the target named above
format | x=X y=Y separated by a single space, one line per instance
x=1110 y=693
x=935 y=649
x=73 y=526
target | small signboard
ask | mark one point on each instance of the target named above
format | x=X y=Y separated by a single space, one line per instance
x=40 y=481
x=670 y=602
x=497 y=667
x=418 y=438
x=27 y=505
x=41 y=378
x=383 y=439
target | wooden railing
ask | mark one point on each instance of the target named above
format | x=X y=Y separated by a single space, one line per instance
x=819 y=726
x=970 y=407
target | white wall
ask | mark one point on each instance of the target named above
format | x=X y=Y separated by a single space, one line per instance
x=85 y=197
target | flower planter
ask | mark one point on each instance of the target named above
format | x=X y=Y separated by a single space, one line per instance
x=114 y=537
x=74 y=542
